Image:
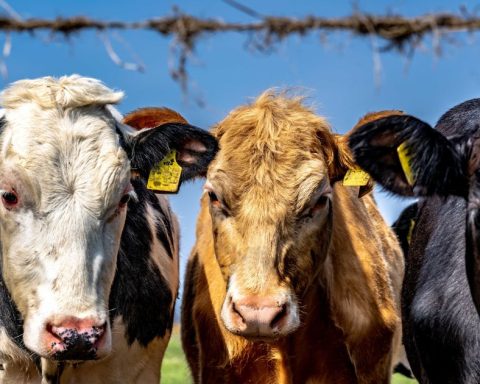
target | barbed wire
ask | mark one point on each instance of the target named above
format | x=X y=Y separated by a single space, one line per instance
x=397 y=32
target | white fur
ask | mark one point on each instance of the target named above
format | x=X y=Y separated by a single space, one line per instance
x=61 y=153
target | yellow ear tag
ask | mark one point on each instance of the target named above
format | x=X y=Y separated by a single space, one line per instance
x=165 y=176
x=405 y=160
x=356 y=178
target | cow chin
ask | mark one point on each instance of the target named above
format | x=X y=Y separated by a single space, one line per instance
x=69 y=338
x=260 y=317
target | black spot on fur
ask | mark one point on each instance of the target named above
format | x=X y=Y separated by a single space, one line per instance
x=140 y=294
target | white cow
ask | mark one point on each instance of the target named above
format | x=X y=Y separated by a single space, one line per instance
x=89 y=270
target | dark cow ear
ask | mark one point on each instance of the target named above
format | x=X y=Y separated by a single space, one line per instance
x=343 y=166
x=409 y=157
x=193 y=148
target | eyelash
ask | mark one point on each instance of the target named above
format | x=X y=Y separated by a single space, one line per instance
x=217 y=203
x=319 y=205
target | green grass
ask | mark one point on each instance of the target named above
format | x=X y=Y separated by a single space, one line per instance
x=175 y=370
x=174 y=367
x=399 y=379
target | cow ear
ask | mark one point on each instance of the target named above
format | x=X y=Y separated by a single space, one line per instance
x=408 y=157
x=343 y=168
x=194 y=148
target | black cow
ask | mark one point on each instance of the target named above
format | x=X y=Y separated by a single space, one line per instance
x=410 y=158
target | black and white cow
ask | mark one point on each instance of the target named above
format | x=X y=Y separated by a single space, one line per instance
x=89 y=255
x=441 y=166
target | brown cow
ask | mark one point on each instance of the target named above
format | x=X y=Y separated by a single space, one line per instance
x=293 y=277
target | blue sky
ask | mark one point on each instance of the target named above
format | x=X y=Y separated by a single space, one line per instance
x=337 y=74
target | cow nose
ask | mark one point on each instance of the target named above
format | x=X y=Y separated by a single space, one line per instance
x=256 y=316
x=75 y=339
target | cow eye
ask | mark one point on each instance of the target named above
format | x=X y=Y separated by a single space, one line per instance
x=319 y=205
x=214 y=199
x=9 y=199
x=213 y=196
x=124 y=200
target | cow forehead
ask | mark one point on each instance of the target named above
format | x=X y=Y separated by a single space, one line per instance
x=270 y=196
x=272 y=178
x=271 y=145
x=66 y=151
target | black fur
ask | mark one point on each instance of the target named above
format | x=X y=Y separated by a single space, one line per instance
x=404 y=225
x=140 y=294
x=10 y=318
x=441 y=328
x=150 y=146
x=403 y=370
x=403 y=228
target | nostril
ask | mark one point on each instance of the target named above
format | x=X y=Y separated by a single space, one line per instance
x=279 y=316
x=53 y=331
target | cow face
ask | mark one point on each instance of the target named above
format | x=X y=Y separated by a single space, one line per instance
x=66 y=162
x=270 y=198
x=410 y=158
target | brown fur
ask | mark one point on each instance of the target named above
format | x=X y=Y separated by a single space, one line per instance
x=372 y=116
x=344 y=268
x=152 y=117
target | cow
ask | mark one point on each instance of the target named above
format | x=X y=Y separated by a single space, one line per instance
x=439 y=166
x=293 y=277
x=89 y=255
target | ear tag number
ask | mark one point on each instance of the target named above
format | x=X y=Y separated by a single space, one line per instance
x=165 y=176
x=356 y=178
x=405 y=161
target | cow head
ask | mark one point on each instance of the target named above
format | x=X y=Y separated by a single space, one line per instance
x=66 y=162
x=270 y=198
x=410 y=158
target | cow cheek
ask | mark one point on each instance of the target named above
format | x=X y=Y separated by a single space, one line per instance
x=21 y=271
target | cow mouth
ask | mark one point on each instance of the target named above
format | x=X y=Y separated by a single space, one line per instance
x=262 y=339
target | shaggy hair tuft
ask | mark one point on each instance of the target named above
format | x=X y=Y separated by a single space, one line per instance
x=63 y=92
